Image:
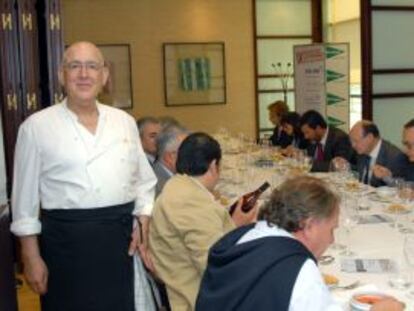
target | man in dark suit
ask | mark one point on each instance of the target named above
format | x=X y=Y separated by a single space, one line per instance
x=406 y=171
x=373 y=151
x=168 y=142
x=326 y=143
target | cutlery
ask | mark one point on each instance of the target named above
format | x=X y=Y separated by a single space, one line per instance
x=346 y=287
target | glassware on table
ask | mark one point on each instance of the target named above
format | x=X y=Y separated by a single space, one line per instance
x=409 y=258
x=303 y=161
x=265 y=147
x=340 y=168
x=402 y=277
x=405 y=194
x=405 y=190
x=349 y=215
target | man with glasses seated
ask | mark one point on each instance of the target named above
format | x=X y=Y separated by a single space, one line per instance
x=407 y=170
x=80 y=166
x=373 y=152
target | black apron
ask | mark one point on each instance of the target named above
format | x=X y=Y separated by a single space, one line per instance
x=86 y=253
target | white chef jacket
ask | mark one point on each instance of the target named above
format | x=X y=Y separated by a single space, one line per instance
x=62 y=165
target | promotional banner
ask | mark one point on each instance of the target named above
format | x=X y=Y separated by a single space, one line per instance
x=322 y=81
x=309 y=75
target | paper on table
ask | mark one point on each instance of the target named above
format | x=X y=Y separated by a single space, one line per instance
x=368 y=265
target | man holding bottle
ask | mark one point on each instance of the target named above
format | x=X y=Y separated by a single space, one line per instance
x=187 y=220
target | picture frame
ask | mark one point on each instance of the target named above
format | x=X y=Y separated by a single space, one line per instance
x=117 y=91
x=194 y=73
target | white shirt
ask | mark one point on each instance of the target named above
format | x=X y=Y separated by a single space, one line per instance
x=59 y=163
x=166 y=170
x=309 y=292
x=374 y=155
x=324 y=138
x=150 y=157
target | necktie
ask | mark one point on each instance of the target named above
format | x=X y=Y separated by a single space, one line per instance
x=365 y=172
x=319 y=156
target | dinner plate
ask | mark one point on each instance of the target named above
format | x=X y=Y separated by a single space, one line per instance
x=378 y=198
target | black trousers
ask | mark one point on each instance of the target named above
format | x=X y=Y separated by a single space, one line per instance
x=86 y=253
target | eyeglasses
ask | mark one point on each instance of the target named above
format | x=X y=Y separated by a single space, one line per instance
x=76 y=66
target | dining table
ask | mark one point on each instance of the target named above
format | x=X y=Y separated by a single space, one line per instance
x=375 y=242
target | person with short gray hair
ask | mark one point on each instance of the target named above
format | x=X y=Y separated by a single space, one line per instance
x=168 y=143
x=272 y=265
x=149 y=128
x=167 y=121
x=297 y=200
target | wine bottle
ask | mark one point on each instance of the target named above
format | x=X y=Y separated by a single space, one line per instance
x=249 y=199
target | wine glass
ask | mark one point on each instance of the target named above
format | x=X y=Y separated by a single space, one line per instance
x=265 y=146
x=409 y=258
x=340 y=167
x=402 y=278
x=405 y=195
x=349 y=221
x=306 y=163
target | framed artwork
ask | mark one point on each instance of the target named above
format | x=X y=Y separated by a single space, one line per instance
x=194 y=73
x=118 y=90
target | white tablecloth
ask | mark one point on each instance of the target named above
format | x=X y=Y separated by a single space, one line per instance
x=376 y=241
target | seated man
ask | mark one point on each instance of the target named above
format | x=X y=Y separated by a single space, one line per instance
x=372 y=150
x=149 y=128
x=326 y=142
x=168 y=142
x=187 y=220
x=407 y=170
x=273 y=265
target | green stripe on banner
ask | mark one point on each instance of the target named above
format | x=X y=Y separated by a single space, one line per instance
x=332 y=99
x=332 y=52
x=333 y=75
x=335 y=122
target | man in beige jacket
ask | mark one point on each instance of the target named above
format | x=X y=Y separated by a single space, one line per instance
x=187 y=221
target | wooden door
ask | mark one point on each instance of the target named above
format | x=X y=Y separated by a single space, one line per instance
x=29 y=56
x=10 y=78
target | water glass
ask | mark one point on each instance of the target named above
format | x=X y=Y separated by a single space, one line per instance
x=349 y=215
x=409 y=258
x=403 y=277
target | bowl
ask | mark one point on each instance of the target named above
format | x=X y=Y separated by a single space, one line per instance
x=363 y=301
